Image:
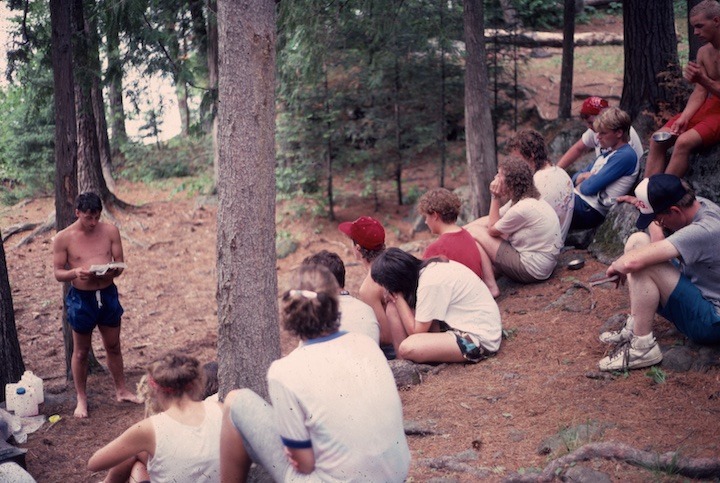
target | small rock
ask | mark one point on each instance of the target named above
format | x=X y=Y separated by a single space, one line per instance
x=581 y=474
x=678 y=359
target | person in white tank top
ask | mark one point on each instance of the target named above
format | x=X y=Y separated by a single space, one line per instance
x=180 y=444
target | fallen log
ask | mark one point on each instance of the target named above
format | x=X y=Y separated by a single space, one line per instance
x=524 y=38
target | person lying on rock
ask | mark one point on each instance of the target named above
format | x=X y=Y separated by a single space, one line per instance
x=677 y=276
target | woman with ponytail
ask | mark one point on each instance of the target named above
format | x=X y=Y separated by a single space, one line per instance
x=335 y=414
x=181 y=443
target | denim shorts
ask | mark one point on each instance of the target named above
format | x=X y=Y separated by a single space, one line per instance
x=692 y=314
x=88 y=308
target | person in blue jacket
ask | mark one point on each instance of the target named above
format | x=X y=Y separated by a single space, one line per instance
x=612 y=174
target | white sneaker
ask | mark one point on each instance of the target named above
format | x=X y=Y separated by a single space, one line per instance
x=619 y=336
x=632 y=355
x=616 y=336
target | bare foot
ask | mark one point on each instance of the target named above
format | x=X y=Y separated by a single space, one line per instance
x=125 y=395
x=81 y=409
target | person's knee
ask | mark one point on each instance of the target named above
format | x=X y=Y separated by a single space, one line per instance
x=112 y=347
x=686 y=142
x=407 y=350
x=637 y=240
x=80 y=353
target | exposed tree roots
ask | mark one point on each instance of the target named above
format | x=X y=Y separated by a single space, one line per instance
x=14 y=229
x=39 y=230
x=671 y=462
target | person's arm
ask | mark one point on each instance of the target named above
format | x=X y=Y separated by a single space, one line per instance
x=60 y=262
x=573 y=154
x=697 y=72
x=302 y=459
x=494 y=217
x=407 y=316
x=116 y=251
x=372 y=294
x=136 y=439
x=634 y=260
x=621 y=164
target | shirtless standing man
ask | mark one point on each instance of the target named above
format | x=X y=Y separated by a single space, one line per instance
x=699 y=123
x=93 y=299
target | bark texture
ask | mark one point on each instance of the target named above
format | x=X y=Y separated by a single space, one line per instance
x=11 y=361
x=479 y=136
x=66 y=157
x=247 y=283
x=651 y=73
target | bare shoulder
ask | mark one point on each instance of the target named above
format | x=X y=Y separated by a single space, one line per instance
x=370 y=289
x=61 y=238
x=110 y=230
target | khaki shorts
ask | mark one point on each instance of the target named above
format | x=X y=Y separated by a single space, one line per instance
x=509 y=263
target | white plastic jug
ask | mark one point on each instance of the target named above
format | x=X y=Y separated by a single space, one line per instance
x=10 y=390
x=25 y=404
x=30 y=380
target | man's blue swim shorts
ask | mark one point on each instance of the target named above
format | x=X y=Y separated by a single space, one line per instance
x=88 y=308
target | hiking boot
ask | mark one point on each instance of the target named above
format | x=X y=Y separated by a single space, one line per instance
x=632 y=354
x=619 y=336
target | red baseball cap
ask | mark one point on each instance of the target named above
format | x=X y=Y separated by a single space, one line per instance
x=593 y=105
x=365 y=231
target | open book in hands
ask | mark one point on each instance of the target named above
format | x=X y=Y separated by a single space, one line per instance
x=103 y=269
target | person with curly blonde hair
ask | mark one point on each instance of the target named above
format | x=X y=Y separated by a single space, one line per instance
x=524 y=242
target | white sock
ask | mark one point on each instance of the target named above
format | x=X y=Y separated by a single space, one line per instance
x=644 y=340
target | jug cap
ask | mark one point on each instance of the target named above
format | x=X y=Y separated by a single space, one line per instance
x=20 y=390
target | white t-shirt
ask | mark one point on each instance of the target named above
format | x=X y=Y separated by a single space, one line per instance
x=451 y=292
x=337 y=395
x=357 y=316
x=532 y=228
x=590 y=139
x=556 y=187
x=186 y=453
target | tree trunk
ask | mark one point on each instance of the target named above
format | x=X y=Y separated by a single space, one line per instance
x=694 y=41
x=479 y=140
x=114 y=76
x=66 y=188
x=11 y=361
x=442 y=135
x=328 y=146
x=212 y=58
x=247 y=284
x=89 y=171
x=396 y=119
x=180 y=84
x=568 y=60
x=98 y=104
x=650 y=56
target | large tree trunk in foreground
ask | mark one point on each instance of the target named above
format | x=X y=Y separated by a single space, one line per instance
x=247 y=284
x=66 y=188
x=11 y=362
x=479 y=137
x=651 y=61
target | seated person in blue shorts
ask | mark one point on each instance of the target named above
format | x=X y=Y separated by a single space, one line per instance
x=93 y=298
x=686 y=293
